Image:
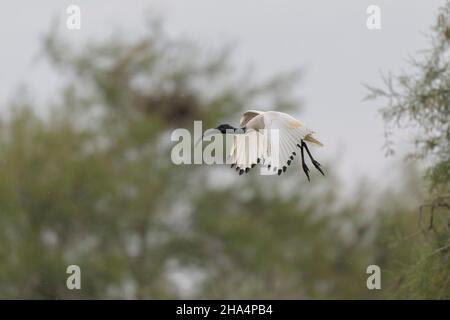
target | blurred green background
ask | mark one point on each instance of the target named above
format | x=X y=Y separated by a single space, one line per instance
x=91 y=183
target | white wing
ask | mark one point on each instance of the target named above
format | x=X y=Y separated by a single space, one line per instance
x=283 y=136
x=276 y=145
x=247 y=150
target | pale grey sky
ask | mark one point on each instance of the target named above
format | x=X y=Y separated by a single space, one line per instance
x=326 y=39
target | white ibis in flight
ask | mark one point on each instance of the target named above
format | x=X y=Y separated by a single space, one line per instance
x=276 y=152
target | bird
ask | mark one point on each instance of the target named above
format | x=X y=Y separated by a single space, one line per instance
x=253 y=142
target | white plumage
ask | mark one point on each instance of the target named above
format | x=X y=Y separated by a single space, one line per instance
x=271 y=138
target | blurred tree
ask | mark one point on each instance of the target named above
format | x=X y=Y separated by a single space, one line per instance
x=92 y=184
x=421 y=99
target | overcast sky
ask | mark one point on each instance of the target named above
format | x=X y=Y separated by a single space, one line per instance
x=326 y=39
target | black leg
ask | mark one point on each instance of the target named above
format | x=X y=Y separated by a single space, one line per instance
x=315 y=163
x=304 y=166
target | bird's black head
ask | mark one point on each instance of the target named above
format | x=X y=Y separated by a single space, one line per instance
x=223 y=128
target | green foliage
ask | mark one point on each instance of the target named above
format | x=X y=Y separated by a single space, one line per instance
x=93 y=185
x=420 y=99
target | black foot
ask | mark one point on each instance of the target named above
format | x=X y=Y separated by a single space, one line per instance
x=306 y=170
x=317 y=165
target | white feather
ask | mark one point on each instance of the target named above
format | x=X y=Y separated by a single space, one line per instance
x=272 y=137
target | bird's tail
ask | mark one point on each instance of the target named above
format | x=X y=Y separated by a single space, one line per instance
x=311 y=139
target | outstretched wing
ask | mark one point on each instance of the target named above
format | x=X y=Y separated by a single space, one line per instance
x=283 y=136
x=247 y=150
x=276 y=145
